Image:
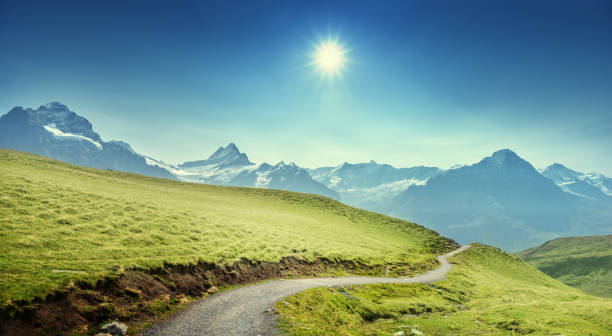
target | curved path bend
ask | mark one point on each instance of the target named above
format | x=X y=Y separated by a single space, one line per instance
x=244 y=311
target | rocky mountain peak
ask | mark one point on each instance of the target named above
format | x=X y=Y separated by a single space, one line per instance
x=558 y=172
x=231 y=150
x=556 y=166
x=228 y=156
x=54 y=106
x=506 y=159
x=223 y=153
x=503 y=156
x=265 y=166
x=16 y=113
x=65 y=120
x=55 y=111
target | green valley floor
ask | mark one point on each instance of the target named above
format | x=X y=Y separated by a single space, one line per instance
x=488 y=292
x=581 y=262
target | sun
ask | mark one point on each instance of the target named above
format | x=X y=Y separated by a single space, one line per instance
x=329 y=58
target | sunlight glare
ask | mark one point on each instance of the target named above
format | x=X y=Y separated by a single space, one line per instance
x=329 y=58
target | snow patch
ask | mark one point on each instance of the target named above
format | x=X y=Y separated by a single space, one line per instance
x=457 y=166
x=51 y=128
x=334 y=180
x=395 y=187
x=161 y=164
x=213 y=173
x=597 y=180
x=263 y=180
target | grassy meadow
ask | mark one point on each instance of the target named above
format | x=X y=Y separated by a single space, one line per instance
x=488 y=292
x=61 y=223
x=582 y=262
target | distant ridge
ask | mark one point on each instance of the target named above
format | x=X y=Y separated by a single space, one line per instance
x=503 y=201
x=228 y=166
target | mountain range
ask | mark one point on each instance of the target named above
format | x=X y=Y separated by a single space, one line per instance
x=501 y=200
x=366 y=185
x=54 y=131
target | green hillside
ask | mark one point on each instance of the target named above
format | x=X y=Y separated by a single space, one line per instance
x=582 y=262
x=61 y=223
x=488 y=292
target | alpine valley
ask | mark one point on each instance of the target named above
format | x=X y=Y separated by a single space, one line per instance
x=501 y=200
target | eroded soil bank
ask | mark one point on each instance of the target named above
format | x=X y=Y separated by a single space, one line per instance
x=139 y=295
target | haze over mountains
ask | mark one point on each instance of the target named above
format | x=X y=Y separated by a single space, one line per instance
x=502 y=200
x=367 y=185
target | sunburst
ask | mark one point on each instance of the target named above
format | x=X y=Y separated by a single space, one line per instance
x=329 y=58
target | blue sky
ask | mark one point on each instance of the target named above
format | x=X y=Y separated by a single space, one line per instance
x=429 y=83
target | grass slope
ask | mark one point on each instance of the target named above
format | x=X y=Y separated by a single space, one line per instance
x=61 y=223
x=582 y=262
x=489 y=292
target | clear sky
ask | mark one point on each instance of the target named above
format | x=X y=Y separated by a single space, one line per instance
x=428 y=82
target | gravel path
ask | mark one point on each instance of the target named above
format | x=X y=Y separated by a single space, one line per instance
x=243 y=311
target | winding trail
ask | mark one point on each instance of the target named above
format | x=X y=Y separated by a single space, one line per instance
x=243 y=311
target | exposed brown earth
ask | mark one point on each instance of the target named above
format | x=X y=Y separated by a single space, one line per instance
x=139 y=295
x=246 y=310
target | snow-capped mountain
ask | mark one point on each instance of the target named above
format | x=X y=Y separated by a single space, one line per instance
x=228 y=166
x=590 y=185
x=367 y=185
x=228 y=156
x=282 y=176
x=220 y=168
x=55 y=131
x=502 y=200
